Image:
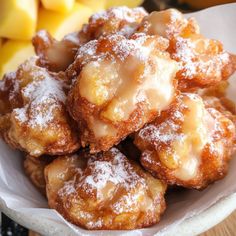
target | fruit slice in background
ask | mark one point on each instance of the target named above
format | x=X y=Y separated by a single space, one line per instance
x=128 y=3
x=96 y=5
x=58 y=5
x=18 y=18
x=13 y=53
x=59 y=24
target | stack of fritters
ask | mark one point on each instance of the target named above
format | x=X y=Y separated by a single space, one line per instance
x=110 y=115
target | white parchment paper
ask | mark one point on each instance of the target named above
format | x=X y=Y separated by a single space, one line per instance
x=19 y=195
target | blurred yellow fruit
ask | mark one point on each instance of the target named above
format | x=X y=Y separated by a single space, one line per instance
x=59 y=24
x=58 y=5
x=18 y=18
x=128 y=3
x=13 y=53
x=204 y=3
x=96 y=5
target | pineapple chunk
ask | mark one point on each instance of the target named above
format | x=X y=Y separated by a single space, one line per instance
x=59 y=24
x=18 y=18
x=13 y=53
x=96 y=5
x=128 y=3
x=58 y=5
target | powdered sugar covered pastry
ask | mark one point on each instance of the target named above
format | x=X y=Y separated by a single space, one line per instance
x=58 y=55
x=38 y=123
x=104 y=191
x=119 y=85
x=55 y=55
x=203 y=61
x=116 y=20
x=223 y=105
x=189 y=144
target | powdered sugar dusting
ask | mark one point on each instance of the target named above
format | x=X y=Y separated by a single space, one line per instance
x=170 y=129
x=114 y=46
x=73 y=38
x=108 y=187
x=176 y=23
x=43 y=34
x=194 y=62
x=20 y=114
x=157 y=134
x=118 y=172
x=41 y=97
x=122 y=13
x=116 y=20
x=69 y=188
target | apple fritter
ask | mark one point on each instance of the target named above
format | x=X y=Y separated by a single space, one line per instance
x=104 y=191
x=117 y=20
x=219 y=90
x=119 y=85
x=223 y=105
x=34 y=169
x=203 y=61
x=189 y=144
x=55 y=55
x=37 y=122
x=58 y=55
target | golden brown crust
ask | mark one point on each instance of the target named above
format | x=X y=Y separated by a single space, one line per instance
x=10 y=96
x=40 y=123
x=116 y=20
x=225 y=106
x=55 y=55
x=58 y=55
x=222 y=104
x=188 y=145
x=219 y=90
x=104 y=191
x=119 y=85
x=203 y=61
x=34 y=169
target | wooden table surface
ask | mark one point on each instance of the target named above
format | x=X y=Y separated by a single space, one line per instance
x=225 y=228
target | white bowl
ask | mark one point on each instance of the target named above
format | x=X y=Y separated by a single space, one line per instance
x=197 y=224
x=192 y=226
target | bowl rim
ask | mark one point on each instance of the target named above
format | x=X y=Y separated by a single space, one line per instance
x=191 y=226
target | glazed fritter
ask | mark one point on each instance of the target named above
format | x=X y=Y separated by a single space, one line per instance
x=203 y=61
x=223 y=105
x=189 y=144
x=34 y=118
x=104 y=191
x=58 y=55
x=117 y=20
x=119 y=85
x=55 y=55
